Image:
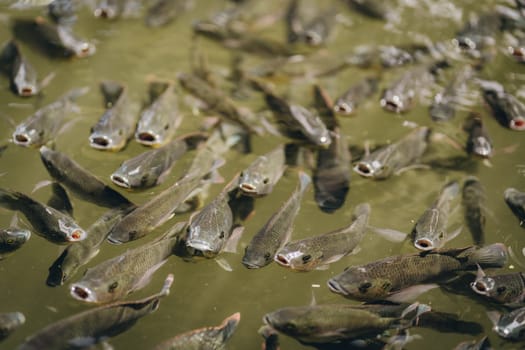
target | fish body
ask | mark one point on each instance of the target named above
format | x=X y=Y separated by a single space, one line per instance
x=117 y=125
x=45 y=123
x=115 y=278
x=46 y=221
x=312 y=252
x=387 y=160
x=516 y=202
x=9 y=322
x=208 y=338
x=11 y=239
x=509 y=325
x=80 y=181
x=159 y=121
x=479 y=142
x=23 y=75
x=371 y=8
x=63 y=11
x=162 y=12
x=478 y=33
x=95 y=325
x=508 y=289
x=60 y=199
x=506 y=108
x=318 y=29
x=430 y=229
x=277 y=230
x=383 y=278
x=79 y=254
x=259 y=178
x=473 y=200
x=62 y=36
x=347 y=103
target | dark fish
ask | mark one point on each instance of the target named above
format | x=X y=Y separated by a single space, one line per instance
x=277 y=230
x=159 y=121
x=45 y=123
x=151 y=168
x=516 y=202
x=9 y=322
x=393 y=158
x=22 y=74
x=371 y=8
x=509 y=325
x=429 y=232
x=79 y=254
x=46 y=221
x=473 y=200
x=117 y=125
x=208 y=338
x=11 y=239
x=80 y=181
x=347 y=103
x=383 y=279
x=479 y=142
x=482 y=344
x=62 y=37
x=60 y=200
x=508 y=289
x=117 y=277
x=162 y=12
x=271 y=338
x=95 y=325
x=506 y=108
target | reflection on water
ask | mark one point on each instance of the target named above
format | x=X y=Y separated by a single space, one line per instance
x=203 y=293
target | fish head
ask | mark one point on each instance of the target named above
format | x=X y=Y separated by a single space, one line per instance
x=71 y=231
x=207 y=244
x=292 y=321
x=370 y=168
x=84 y=48
x=426 y=243
x=344 y=107
x=106 y=9
x=254 y=183
x=298 y=259
x=484 y=285
x=464 y=42
x=512 y=325
x=13 y=238
x=121 y=179
x=95 y=290
x=395 y=102
x=517 y=123
x=25 y=86
x=313 y=37
x=149 y=137
x=110 y=140
x=355 y=283
x=256 y=258
x=481 y=146
x=28 y=136
x=518 y=52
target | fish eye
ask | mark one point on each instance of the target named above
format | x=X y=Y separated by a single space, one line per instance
x=112 y=287
x=306 y=258
x=267 y=256
x=501 y=289
x=266 y=180
x=363 y=287
x=221 y=235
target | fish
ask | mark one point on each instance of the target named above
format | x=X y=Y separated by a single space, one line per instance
x=60 y=200
x=11 y=239
x=62 y=37
x=317 y=31
x=393 y=158
x=159 y=121
x=117 y=125
x=115 y=278
x=404 y=274
x=509 y=325
x=63 y=11
x=95 y=325
x=112 y=9
x=298 y=122
x=204 y=338
x=443 y=107
x=162 y=12
x=80 y=181
x=478 y=33
x=277 y=230
x=481 y=344
x=508 y=289
x=429 y=232
x=371 y=8
x=479 y=143
x=331 y=176
x=260 y=177
x=9 y=322
x=44 y=125
x=47 y=222
x=79 y=254
x=22 y=73
x=347 y=103
x=505 y=107
x=293 y=22
x=473 y=201
x=317 y=251
x=332 y=323
x=152 y=167
x=515 y=200
x=271 y=338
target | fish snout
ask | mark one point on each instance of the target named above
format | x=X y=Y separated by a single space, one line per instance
x=104 y=12
x=343 y=108
x=248 y=188
x=479 y=287
x=120 y=180
x=82 y=293
x=22 y=139
x=27 y=90
x=392 y=104
x=147 y=137
x=281 y=259
x=364 y=169
x=517 y=123
x=100 y=142
x=336 y=287
x=424 y=244
x=77 y=235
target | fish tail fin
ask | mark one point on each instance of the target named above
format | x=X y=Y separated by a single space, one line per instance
x=304 y=181
x=229 y=325
x=11 y=200
x=410 y=315
x=494 y=255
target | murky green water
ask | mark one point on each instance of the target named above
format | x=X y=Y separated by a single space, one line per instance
x=203 y=294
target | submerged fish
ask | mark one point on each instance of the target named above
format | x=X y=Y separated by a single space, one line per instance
x=429 y=231
x=473 y=200
x=317 y=31
x=516 y=202
x=46 y=221
x=62 y=36
x=45 y=123
x=393 y=158
x=506 y=108
x=11 y=239
x=22 y=74
x=277 y=230
x=117 y=277
x=509 y=325
x=479 y=142
x=9 y=322
x=117 y=125
x=159 y=121
x=403 y=274
x=347 y=103
x=79 y=254
x=81 y=182
x=60 y=200
x=162 y=12
x=478 y=33
x=95 y=325
x=259 y=178
x=314 y=252
x=63 y=11
x=508 y=289
x=208 y=338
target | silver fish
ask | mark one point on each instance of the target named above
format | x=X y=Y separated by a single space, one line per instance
x=277 y=230
x=473 y=200
x=11 y=239
x=62 y=36
x=508 y=289
x=347 y=103
x=515 y=200
x=23 y=75
x=506 y=108
x=509 y=325
x=479 y=142
x=9 y=322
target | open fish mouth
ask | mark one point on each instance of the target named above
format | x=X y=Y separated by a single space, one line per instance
x=27 y=91
x=250 y=265
x=424 y=244
x=147 y=138
x=82 y=293
x=393 y=104
x=104 y=12
x=201 y=246
x=480 y=287
x=248 y=188
x=282 y=260
x=335 y=287
x=120 y=180
x=100 y=142
x=364 y=169
x=517 y=124
x=21 y=139
x=343 y=108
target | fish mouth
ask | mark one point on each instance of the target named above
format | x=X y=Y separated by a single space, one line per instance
x=517 y=124
x=518 y=53
x=100 y=142
x=104 y=12
x=147 y=138
x=76 y=235
x=21 y=139
x=26 y=91
x=82 y=293
x=250 y=265
x=336 y=287
x=204 y=247
x=86 y=49
x=114 y=240
x=248 y=188
x=119 y=180
x=480 y=287
x=364 y=169
x=393 y=105
x=343 y=108
x=424 y=244
x=281 y=260
x=312 y=38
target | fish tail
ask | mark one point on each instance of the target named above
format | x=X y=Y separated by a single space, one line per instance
x=410 y=315
x=11 y=199
x=494 y=255
x=229 y=325
x=361 y=209
x=304 y=181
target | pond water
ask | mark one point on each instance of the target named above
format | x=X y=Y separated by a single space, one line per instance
x=203 y=293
